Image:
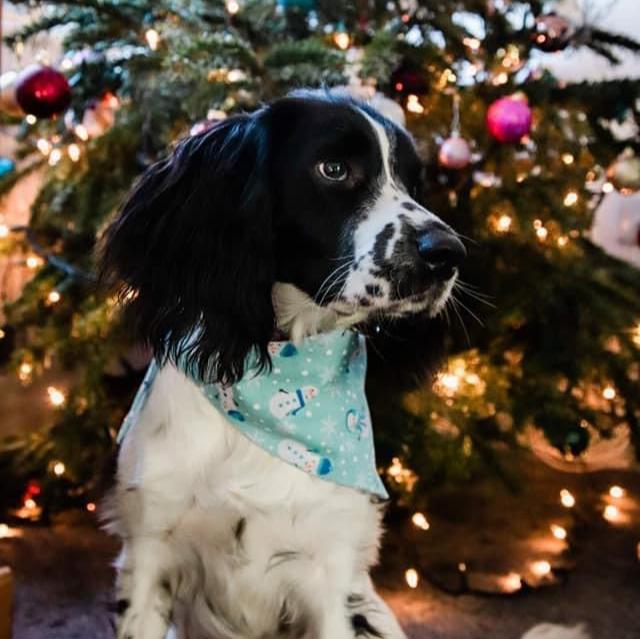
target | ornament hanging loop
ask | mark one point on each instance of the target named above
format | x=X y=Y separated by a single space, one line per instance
x=455 y=120
x=455 y=152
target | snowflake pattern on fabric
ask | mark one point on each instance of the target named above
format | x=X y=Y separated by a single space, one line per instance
x=313 y=415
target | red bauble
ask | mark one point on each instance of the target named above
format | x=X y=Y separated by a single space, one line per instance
x=408 y=79
x=42 y=91
x=552 y=33
x=509 y=119
x=33 y=489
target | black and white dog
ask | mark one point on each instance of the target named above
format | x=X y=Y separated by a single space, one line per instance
x=298 y=219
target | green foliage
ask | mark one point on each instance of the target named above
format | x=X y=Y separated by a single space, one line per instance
x=294 y=64
x=558 y=324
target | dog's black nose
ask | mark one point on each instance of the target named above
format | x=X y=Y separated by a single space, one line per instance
x=442 y=251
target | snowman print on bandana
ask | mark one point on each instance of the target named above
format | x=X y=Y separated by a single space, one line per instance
x=295 y=453
x=289 y=403
x=228 y=403
x=282 y=349
x=357 y=423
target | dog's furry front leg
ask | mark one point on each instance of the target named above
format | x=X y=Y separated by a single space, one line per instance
x=144 y=599
x=332 y=620
x=370 y=615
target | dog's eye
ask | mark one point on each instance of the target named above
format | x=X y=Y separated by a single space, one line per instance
x=334 y=171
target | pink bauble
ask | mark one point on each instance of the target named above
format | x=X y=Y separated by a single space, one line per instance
x=42 y=91
x=509 y=119
x=454 y=153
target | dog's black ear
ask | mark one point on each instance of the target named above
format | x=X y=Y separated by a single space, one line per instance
x=192 y=246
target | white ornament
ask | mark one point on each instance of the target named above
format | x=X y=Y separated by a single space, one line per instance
x=616 y=226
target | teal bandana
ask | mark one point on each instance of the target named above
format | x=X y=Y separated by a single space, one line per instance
x=310 y=410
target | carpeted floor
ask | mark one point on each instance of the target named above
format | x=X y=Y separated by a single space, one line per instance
x=63 y=587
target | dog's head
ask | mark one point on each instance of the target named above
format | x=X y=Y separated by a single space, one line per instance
x=301 y=216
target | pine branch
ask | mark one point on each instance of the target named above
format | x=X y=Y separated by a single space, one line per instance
x=58 y=263
x=603 y=51
x=615 y=39
x=44 y=23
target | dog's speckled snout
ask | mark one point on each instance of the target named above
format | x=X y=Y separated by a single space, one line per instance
x=442 y=251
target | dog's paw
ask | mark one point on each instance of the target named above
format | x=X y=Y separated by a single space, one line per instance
x=552 y=631
x=147 y=624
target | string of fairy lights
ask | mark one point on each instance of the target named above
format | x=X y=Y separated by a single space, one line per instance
x=460 y=376
x=616 y=508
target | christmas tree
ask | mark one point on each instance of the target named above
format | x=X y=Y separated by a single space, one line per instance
x=543 y=335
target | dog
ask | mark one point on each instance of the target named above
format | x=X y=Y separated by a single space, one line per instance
x=252 y=239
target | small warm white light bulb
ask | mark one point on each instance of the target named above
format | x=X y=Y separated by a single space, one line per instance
x=25 y=370
x=542 y=233
x=74 y=152
x=342 y=40
x=2 y=334
x=563 y=240
x=611 y=513
x=616 y=492
x=607 y=187
x=233 y=6
x=609 y=392
x=501 y=78
x=413 y=104
x=81 y=132
x=153 y=38
x=44 y=146
x=472 y=43
x=54 y=157
x=567 y=158
x=511 y=582
x=570 y=198
x=396 y=467
x=30 y=503
x=59 y=467
x=541 y=568
x=420 y=521
x=4 y=531
x=4 y=230
x=567 y=499
x=450 y=382
x=558 y=532
x=31 y=119
x=33 y=261
x=56 y=397
x=503 y=224
x=54 y=297
x=91 y=507
x=411 y=577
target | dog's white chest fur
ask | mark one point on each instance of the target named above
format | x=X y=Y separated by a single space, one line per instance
x=231 y=541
